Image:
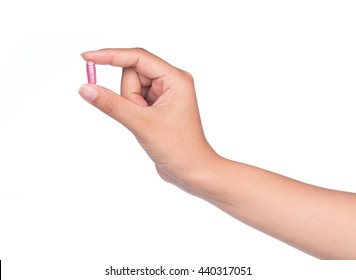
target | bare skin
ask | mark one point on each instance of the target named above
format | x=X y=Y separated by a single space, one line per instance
x=158 y=105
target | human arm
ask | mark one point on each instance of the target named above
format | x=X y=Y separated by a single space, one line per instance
x=318 y=221
x=158 y=104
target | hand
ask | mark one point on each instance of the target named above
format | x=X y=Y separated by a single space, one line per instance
x=158 y=104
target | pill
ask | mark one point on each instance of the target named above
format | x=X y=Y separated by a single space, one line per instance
x=91 y=72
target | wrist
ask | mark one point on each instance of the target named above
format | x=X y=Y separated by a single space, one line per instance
x=201 y=177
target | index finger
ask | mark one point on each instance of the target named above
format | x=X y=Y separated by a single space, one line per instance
x=142 y=61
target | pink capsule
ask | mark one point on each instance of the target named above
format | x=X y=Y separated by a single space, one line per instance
x=91 y=72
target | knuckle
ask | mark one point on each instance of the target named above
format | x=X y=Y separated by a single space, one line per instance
x=140 y=50
x=187 y=76
x=110 y=105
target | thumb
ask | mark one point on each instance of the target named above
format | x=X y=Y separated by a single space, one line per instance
x=112 y=104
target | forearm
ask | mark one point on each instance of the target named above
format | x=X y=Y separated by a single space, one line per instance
x=158 y=104
x=319 y=221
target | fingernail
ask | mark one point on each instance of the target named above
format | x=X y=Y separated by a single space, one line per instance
x=88 y=93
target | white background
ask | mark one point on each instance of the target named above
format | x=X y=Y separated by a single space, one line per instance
x=275 y=82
